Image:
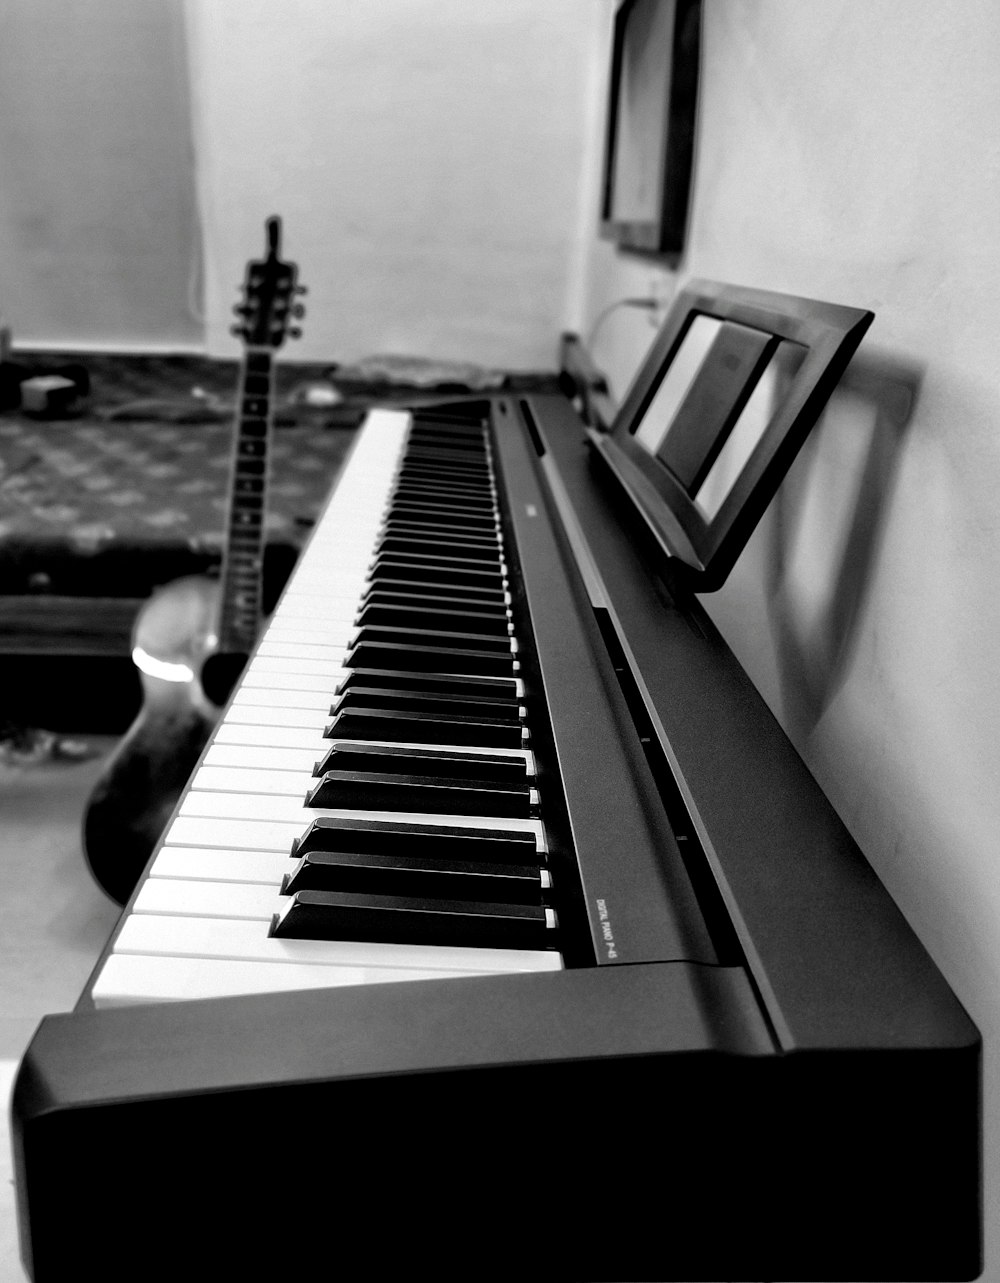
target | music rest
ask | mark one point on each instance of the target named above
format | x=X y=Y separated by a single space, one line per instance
x=731 y=386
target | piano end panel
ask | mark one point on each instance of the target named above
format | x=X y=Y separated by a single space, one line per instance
x=633 y=1120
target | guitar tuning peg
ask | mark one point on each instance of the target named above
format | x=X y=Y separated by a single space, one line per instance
x=237 y=330
x=298 y=310
x=301 y=289
x=241 y=309
x=294 y=332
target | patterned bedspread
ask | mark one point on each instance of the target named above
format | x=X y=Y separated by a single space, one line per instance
x=91 y=508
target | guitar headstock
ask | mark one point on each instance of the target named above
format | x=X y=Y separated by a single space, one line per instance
x=269 y=288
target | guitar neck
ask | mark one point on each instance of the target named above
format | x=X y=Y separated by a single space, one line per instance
x=242 y=567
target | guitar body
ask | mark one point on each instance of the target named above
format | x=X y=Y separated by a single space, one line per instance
x=192 y=638
x=144 y=778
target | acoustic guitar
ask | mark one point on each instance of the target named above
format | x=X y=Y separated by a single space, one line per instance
x=192 y=638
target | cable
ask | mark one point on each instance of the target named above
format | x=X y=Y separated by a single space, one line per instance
x=648 y=304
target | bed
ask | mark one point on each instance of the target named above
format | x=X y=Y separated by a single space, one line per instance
x=126 y=490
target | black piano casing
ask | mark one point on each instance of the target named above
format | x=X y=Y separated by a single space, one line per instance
x=806 y=1107
x=610 y=1123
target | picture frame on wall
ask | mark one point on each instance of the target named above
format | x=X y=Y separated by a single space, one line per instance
x=650 y=126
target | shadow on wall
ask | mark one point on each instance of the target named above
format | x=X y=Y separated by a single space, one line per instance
x=826 y=530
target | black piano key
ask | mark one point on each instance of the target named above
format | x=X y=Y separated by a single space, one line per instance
x=437 y=556
x=345 y=915
x=470 y=431
x=470 y=494
x=423 y=589
x=467 y=538
x=442 y=521
x=472 y=445
x=393 y=567
x=476 y=472
x=427 y=483
x=437 y=683
x=399 y=727
x=483 y=642
x=465 y=418
x=448 y=494
x=395 y=760
x=493 y=845
x=449 y=426
x=504 y=710
x=433 y=428
x=435 y=659
x=464 y=435
x=432 y=545
x=424 y=794
x=417 y=876
x=403 y=615
x=432 y=514
x=390 y=599
x=470 y=572
x=467 y=509
x=416 y=471
x=463 y=527
x=468 y=453
x=455 y=506
x=430 y=658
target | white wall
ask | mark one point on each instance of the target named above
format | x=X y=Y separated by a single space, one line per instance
x=850 y=152
x=425 y=156
x=99 y=238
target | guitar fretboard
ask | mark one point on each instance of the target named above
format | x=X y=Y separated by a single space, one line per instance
x=243 y=558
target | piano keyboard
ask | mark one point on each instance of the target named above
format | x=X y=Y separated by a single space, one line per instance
x=728 y=987
x=366 y=810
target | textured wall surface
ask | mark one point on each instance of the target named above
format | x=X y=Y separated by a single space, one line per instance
x=425 y=156
x=851 y=153
x=99 y=236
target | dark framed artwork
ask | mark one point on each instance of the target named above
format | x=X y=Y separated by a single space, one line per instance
x=651 y=115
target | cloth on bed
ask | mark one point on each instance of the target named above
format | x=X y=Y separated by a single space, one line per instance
x=90 y=508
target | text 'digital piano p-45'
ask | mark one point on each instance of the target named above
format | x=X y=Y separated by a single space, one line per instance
x=501 y=932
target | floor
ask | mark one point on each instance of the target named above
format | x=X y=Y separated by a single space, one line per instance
x=54 y=920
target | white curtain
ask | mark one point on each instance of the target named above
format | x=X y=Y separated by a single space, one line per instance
x=99 y=235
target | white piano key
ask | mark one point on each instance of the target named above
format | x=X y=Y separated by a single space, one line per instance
x=230 y=779
x=279 y=632
x=260 y=696
x=221 y=865
x=274 y=715
x=255 y=902
x=289 y=681
x=252 y=757
x=331 y=650
x=278 y=736
x=168 y=936
x=129 y=978
x=246 y=806
x=228 y=834
x=304 y=606
x=266 y=665
x=332 y=668
x=326 y=591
